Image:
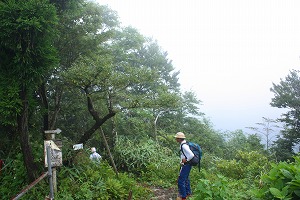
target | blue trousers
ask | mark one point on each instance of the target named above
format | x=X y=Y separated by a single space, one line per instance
x=184 y=186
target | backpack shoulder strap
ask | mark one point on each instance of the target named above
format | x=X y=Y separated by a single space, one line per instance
x=182 y=149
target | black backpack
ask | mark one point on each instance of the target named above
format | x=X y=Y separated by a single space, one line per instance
x=197 y=151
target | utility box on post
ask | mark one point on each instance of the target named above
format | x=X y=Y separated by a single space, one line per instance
x=56 y=153
x=56 y=148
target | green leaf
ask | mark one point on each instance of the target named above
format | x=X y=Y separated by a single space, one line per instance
x=297 y=192
x=277 y=193
x=285 y=191
x=286 y=173
x=278 y=183
x=295 y=183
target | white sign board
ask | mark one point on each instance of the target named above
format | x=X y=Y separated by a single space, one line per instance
x=56 y=153
x=78 y=146
x=53 y=131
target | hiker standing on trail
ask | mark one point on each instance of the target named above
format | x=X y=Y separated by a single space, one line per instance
x=186 y=155
x=95 y=156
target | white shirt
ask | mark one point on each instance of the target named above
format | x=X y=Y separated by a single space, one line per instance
x=95 y=156
x=187 y=151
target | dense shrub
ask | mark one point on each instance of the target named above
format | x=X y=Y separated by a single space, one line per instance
x=248 y=165
x=84 y=180
x=139 y=154
x=218 y=187
x=229 y=179
x=89 y=180
x=154 y=165
x=13 y=177
x=282 y=181
x=162 y=173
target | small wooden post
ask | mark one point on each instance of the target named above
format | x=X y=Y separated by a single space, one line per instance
x=130 y=195
x=108 y=150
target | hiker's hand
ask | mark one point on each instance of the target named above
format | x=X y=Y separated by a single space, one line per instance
x=184 y=160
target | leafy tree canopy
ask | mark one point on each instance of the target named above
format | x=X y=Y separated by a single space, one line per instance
x=287 y=95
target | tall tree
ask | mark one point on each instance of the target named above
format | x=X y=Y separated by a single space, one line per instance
x=27 y=54
x=267 y=129
x=117 y=78
x=238 y=141
x=287 y=95
x=83 y=27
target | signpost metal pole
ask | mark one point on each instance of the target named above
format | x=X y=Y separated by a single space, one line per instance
x=51 y=195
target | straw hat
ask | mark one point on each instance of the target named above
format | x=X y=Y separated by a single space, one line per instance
x=180 y=135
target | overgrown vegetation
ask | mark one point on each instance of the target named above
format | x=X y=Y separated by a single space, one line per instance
x=281 y=182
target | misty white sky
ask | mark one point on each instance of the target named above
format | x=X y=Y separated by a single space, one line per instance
x=229 y=52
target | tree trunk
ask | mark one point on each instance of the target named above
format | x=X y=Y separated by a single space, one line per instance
x=49 y=121
x=87 y=135
x=57 y=101
x=114 y=133
x=44 y=101
x=99 y=121
x=22 y=121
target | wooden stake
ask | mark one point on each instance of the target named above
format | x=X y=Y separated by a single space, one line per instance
x=108 y=150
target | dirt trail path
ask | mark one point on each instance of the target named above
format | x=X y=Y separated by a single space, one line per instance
x=164 y=194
